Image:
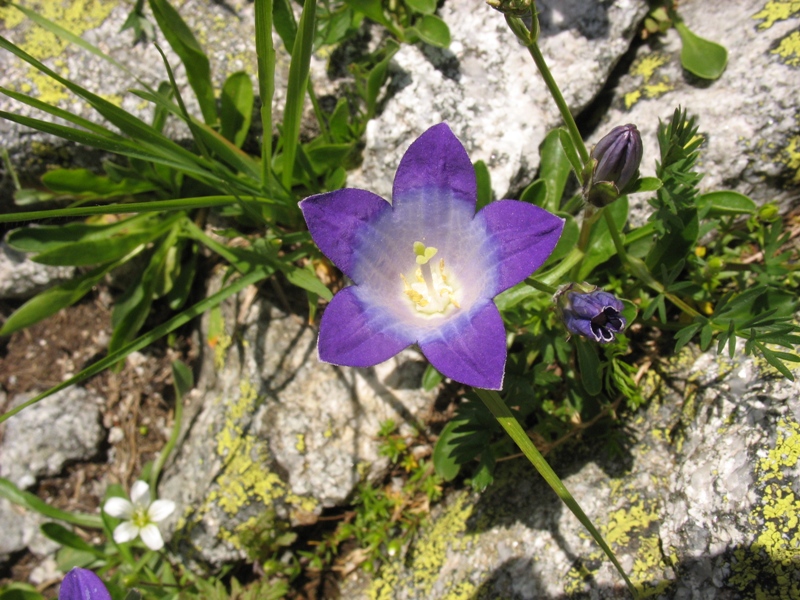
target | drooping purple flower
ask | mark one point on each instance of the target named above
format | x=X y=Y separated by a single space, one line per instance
x=426 y=267
x=82 y=584
x=594 y=314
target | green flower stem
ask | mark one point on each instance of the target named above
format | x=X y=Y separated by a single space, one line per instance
x=557 y=273
x=503 y=415
x=170 y=445
x=640 y=270
x=530 y=39
x=542 y=287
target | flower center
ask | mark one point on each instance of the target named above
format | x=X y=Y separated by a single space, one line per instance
x=432 y=291
x=139 y=517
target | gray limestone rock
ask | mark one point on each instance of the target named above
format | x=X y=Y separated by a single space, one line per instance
x=42 y=438
x=274 y=434
x=748 y=116
x=703 y=504
x=22 y=278
x=487 y=88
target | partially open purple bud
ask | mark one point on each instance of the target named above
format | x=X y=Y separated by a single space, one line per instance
x=591 y=312
x=615 y=160
x=82 y=584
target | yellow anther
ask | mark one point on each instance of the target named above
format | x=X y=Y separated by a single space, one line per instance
x=418 y=276
x=441 y=271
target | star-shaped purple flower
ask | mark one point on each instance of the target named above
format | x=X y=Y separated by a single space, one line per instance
x=426 y=267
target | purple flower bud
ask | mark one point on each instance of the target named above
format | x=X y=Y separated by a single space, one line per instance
x=82 y=584
x=593 y=314
x=617 y=157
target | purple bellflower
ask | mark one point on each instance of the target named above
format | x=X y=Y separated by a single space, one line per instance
x=426 y=267
x=82 y=584
x=591 y=312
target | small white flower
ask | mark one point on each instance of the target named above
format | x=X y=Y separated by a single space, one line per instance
x=140 y=516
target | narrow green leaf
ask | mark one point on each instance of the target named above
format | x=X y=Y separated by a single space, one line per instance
x=431 y=378
x=377 y=77
x=726 y=203
x=145 y=340
x=568 y=240
x=306 y=279
x=601 y=246
x=535 y=193
x=571 y=152
x=433 y=31
x=265 y=52
x=554 y=167
x=51 y=301
x=85 y=184
x=133 y=207
x=644 y=184
x=700 y=56
x=773 y=359
x=296 y=89
x=236 y=107
x=13 y=494
x=589 y=366
x=285 y=23
x=484 y=181
x=63 y=536
x=57 y=112
x=195 y=61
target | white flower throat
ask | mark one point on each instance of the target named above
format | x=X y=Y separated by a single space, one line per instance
x=432 y=291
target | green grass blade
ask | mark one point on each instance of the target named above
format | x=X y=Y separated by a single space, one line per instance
x=507 y=420
x=126 y=122
x=133 y=207
x=265 y=52
x=185 y=45
x=12 y=493
x=145 y=340
x=57 y=112
x=296 y=89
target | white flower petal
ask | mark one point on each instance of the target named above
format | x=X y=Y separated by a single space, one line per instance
x=151 y=537
x=119 y=508
x=140 y=493
x=160 y=510
x=125 y=532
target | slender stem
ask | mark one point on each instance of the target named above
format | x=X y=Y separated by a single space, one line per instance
x=640 y=270
x=503 y=415
x=557 y=273
x=555 y=92
x=542 y=287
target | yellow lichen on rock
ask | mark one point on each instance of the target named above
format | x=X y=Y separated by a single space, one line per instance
x=777 y=10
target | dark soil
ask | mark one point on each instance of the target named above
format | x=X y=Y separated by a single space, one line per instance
x=138 y=413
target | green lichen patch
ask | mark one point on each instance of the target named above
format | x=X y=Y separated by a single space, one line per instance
x=430 y=551
x=244 y=479
x=630 y=529
x=788 y=49
x=653 y=85
x=77 y=16
x=769 y=567
x=776 y=10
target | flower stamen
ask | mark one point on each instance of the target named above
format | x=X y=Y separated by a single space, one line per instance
x=432 y=291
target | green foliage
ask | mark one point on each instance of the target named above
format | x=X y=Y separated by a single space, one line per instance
x=384 y=518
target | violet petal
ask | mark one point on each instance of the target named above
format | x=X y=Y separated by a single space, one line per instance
x=82 y=584
x=525 y=236
x=335 y=219
x=436 y=160
x=471 y=349
x=354 y=333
